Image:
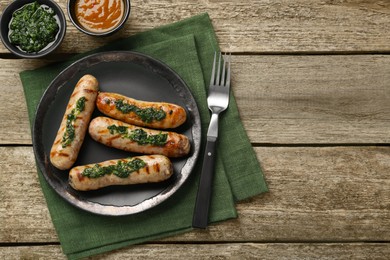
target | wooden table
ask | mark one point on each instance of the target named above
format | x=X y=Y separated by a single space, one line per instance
x=312 y=82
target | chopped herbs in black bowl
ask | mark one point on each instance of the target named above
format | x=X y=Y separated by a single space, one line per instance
x=32 y=28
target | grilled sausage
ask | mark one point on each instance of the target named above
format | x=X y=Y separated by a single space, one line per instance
x=115 y=133
x=158 y=115
x=73 y=127
x=135 y=170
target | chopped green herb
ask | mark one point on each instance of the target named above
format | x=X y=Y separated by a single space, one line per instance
x=147 y=115
x=80 y=104
x=70 y=132
x=139 y=135
x=33 y=27
x=121 y=169
x=118 y=129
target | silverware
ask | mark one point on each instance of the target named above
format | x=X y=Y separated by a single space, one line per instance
x=218 y=101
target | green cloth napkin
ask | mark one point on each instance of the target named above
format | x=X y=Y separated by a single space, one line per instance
x=187 y=47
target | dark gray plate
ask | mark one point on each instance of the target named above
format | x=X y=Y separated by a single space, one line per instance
x=132 y=74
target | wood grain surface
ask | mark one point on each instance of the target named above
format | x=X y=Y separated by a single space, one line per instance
x=316 y=194
x=304 y=26
x=312 y=84
x=304 y=99
x=265 y=251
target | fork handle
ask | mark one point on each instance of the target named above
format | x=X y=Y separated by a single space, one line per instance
x=202 y=204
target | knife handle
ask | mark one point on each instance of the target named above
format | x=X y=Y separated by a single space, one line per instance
x=202 y=204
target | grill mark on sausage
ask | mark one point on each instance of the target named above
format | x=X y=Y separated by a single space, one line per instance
x=147 y=170
x=102 y=131
x=110 y=139
x=63 y=154
x=80 y=176
x=75 y=93
x=87 y=90
x=156 y=167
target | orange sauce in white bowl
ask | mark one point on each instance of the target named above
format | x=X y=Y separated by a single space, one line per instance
x=99 y=15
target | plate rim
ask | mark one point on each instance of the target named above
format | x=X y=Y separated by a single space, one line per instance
x=50 y=94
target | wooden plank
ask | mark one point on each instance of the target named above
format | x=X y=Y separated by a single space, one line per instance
x=14 y=120
x=260 y=25
x=23 y=211
x=314 y=99
x=282 y=99
x=316 y=194
x=32 y=252
x=223 y=251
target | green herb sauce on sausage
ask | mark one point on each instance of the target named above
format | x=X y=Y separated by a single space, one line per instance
x=147 y=115
x=139 y=135
x=70 y=133
x=122 y=169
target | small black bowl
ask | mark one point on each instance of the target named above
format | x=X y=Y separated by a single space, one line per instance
x=6 y=18
x=76 y=23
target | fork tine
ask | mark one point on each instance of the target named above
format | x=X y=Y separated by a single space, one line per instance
x=213 y=71
x=228 y=72
x=223 y=79
x=219 y=69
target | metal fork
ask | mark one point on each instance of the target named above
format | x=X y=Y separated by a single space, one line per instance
x=218 y=101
